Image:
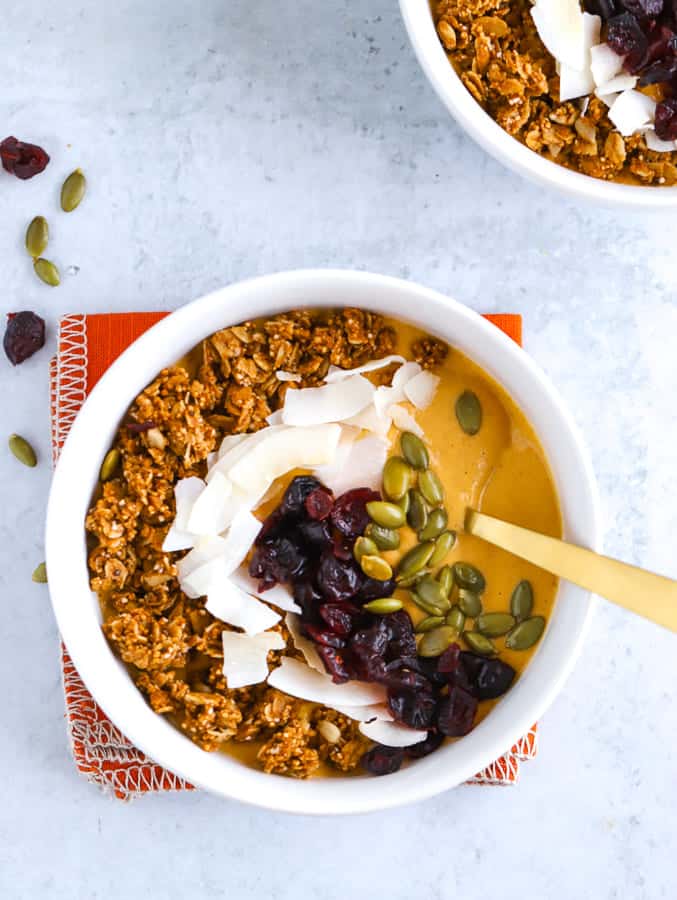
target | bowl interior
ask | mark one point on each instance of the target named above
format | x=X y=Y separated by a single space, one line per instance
x=77 y=608
x=508 y=150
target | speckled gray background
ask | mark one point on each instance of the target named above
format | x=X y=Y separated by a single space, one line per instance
x=224 y=139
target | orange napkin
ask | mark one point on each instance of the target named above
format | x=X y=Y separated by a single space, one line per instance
x=87 y=345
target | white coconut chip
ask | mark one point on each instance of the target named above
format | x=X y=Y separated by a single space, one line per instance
x=230 y=441
x=231 y=551
x=279 y=595
x=392 y=734
x=245 y=657
x=574 y=82
x=281 y=375
x=336 y=374
x=632 y=111
x=359 y=464
x=211 y=510
x=227 y=602
x=617 y=84
x=238 y=450
x=275 y=418
x=656 y=144
x=404 y=420
x=608 y=99
x=186 y=492
x=386 y=396
x=303 y=644
x=296 y=678
x=206 y=548
x=329 y=403
x=604 y=63
x=379 y=711
x=560 y=26
x=420 y=390
x=370 y=420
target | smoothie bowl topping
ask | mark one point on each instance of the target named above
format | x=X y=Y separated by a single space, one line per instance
x=274 y=543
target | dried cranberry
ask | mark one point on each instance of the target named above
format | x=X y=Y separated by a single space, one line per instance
x=293 y=501
x=24 y=336
x=140 y=427
x=319 y=503
x=349 y=514
x=341 y=547
x=315 y=533
x=372 y=640
x=322 y=636
x=626 y=38
x=429 y=745
x=648 y=8
x=666 y=119
x=368 y=666
x=456 y=713
x=280 y=559
x=22 y=160
x=336 y=579
x=307 y=596
x=383 y=760
x=401 y=633
x=450 y=660
x=372 y=589
x=400 y=676
x=334 y=664
x=414 y=708
x=489 y=678
x=340 y=617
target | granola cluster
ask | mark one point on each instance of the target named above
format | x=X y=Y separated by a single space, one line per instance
x=170 y=643
x=495 y=48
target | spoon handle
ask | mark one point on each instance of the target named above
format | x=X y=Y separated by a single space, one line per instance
x=652 y=596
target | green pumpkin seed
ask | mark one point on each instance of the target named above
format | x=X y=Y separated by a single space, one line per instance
x=430 y=591
x=469 y=602
x=469 y=412
x=456 y=619
x=384 y=538
x=443 y=545
x=37 y=236
x=413 y=579
x=526 y=634
x=429 y=608
x=417 y=516
x=435 y=642
x=376 y=567
x=383 y=606
x=522 y=601
x=478 y=643
x=110 y=463
x=437 y=522
x=467 y=576
x=364 y=546
x=413 y=561
x=414 y=450
x=47 y=272
x=22 y=450
x=494 y=624
x=404 y=503
x=388 y=515
x=39 y=575
x=73 y=191
x=428 y=624
x=396 y=478
x=445 y=578
x=430 y=486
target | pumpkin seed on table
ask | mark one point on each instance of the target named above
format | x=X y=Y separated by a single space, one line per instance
x=494 y=624
x=430 y=486
x=37 y=236
x=364 y=546
x=414 y=450
x=388 y=515
x=383 y=538
x=430 y=591
x=469 y=412
x=415 y=559
x=376 y=567
x=396 y=478
x=39 y=575
x=468 y=576
x=478 y=643
x=428 y=624
x=383 y=606
x=437 y=522
x=469 y=602
x=47 y=271
x=455 y=618
x=22 y=450
x=445 y=578
x=435 y=642
x=110 y=463
x=522 y=600
x=525 y=634
x=417 y=515
x=73 y=191
x=443 y=545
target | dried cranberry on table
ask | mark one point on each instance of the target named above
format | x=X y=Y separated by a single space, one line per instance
x=21 y=159
x=24 y=336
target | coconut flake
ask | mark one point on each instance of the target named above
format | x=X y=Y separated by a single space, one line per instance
x=385 y=396
x=560 y=26
x=186 y=492
x=578 y=83
x=617 y=84
x=379 y=711
x=608 y=99
x=329 y=403
x=230 y=441
x=281 y=375
x=631 y=111
x=336 y=374
x=227 y=557
x=403 y=420
x=245 y=657
x=303 y=644
x=370 y=420
x=210 y=513
x=392 y=734
x=296 y=678
x=359 y=464
x=279 y=595
x=275 y=418
x=238 y=450
x=421 y=389
x=604 y=63
x=228 y=603
x=656 y=144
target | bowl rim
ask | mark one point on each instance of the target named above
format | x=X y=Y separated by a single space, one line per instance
x=77 y=472
x=498 y=143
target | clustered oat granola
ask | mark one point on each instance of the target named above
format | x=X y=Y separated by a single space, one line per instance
x=171 y=644
x=495 y=48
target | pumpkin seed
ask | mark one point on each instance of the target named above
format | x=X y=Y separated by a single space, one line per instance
x=110 y=463
x=384 y=538
x=494 y=624
x=478 y=643
x=22 y=450
x=383 y=606
x=430 y=608
x=364 y=546
x=40 y=574
x=37 y=236
x=396 y=478
x=437 y=522
x=469 y=412
x=413 y=561
x=446 y=579
x=417 y=516
x=73 y=191
x=456 y=619
x=443 y=545
x=435 y=642
x=522 y=601
x=376 y=567
x=413 y=579
x=404 y=503
x=431 y=592
x=389 y=515
x=428 y=624
x=469 y=602
x=47 y=272
x=414 y=450
x=526 y=634
x=467 y=576
x=329 y=731
x=430 y=486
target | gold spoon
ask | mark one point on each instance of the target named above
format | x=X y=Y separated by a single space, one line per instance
x=652 y=596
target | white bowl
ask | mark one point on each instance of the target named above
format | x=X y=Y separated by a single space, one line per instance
x=508 y=150
x=77 y=609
